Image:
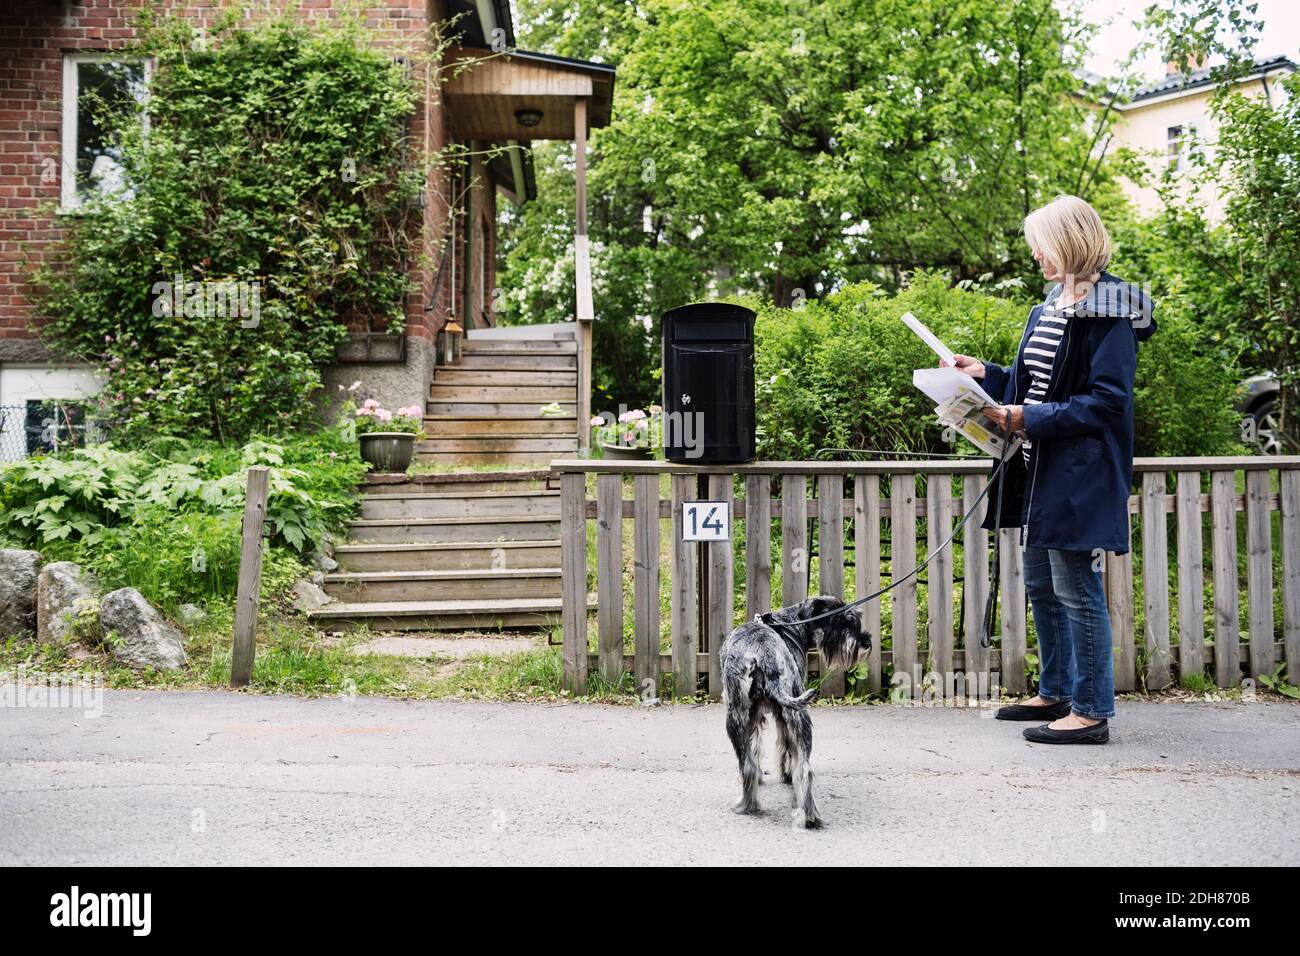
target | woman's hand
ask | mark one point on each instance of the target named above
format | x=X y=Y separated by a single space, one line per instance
x=1002 y=414
x=972 y=367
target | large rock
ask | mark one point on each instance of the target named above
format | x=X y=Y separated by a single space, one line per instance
x=307 y=596
x=18 y=572
x=62 y=589
x=137 y=635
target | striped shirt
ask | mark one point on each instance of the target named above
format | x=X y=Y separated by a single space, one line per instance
x=1040 y=354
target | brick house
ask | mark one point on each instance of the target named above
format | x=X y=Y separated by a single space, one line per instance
x=51 y=49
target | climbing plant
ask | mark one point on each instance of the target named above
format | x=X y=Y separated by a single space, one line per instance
x=268 y=194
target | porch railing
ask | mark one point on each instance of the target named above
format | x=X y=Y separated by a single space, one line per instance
x=856 y=507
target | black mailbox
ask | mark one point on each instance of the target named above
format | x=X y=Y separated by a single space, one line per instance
x=708 y=362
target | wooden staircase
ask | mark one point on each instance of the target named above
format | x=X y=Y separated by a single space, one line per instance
x=488 y=409
x=468 y=550
x=471 y=550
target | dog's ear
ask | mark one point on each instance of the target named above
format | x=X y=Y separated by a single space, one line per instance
x=820 y=605
x=766 y=618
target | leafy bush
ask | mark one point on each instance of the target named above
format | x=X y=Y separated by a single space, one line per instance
x=838 y=372
x=270 y=199
x=94 y=496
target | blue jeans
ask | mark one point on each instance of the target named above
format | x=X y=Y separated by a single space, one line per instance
x=1073 y=624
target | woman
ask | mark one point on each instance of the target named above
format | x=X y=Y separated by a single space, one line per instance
x=1069 y=393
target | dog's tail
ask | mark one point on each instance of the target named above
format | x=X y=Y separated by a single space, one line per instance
x=800 y=701
x=758 y=686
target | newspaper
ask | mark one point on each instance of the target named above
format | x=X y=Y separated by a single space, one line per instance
x=960 y=402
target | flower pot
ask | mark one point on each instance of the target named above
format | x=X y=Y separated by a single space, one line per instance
x=388 y=451
x=625 y=452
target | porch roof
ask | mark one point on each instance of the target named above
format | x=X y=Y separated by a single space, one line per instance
x=484 y=97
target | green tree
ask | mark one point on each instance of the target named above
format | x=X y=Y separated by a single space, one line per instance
x=785 y=149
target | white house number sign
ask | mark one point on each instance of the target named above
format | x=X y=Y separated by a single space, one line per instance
x=706 y=521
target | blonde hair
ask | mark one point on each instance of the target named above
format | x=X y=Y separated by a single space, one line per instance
x=1070 y=234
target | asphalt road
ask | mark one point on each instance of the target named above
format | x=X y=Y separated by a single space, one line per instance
x=223 y=778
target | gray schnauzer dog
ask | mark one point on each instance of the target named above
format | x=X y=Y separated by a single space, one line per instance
x=762 y=675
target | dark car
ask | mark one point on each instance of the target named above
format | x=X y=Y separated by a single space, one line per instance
x=1257 y=397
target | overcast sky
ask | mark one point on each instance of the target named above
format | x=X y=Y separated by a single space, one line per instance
x=1118 y=36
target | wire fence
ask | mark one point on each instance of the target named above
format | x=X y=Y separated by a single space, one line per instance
x=47 y=428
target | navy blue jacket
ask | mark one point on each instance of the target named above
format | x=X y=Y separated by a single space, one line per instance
x=1073 y=493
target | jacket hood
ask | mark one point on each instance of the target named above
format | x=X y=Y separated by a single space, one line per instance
x=1113 y=298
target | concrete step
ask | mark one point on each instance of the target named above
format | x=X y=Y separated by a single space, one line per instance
x=529 y=377
x=459 y=556
x=441 y=615
x=507 y=361
x=452 y=530
x=445 y=408
x=436 y=427
x=475 y=504
x=480 y=585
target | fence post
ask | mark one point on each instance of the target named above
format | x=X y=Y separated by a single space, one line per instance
x=573 y=565
x=250 y=578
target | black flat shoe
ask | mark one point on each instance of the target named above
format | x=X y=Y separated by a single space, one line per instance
x=1034 y=711
x=1096 y=734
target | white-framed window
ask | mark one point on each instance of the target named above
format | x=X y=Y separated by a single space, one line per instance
x=1177 y=138
x=93 y=84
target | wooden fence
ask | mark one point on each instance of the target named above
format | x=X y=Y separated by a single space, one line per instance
x=874 y=503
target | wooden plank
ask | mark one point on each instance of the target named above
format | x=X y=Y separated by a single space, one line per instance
x=1155 y=579
x=609 y=576
x=902 y=559
x=814 y=661
x=830 y=548
x=758 y=545
x=573 y=564
x=1119 y=597
x=975 y=589
x=722 y=591
x=866 y=541
x=249 y=590
x=1259 y=573
x=645 y=586
x=1223 y=545
x=972 y=466
x=1290 y=505
x=794 y=540
x=685 y=638
x=923 y=506
x=1015 y=638
x=1191 y=576
x=938 y=574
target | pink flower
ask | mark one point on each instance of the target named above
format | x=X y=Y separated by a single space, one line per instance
x=597 y=420
x=383 y=414
x=411 y=411
x=634 y=415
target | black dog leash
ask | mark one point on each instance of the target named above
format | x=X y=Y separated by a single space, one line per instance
x=986 y=636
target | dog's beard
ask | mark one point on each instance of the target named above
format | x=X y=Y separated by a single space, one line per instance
x=839 y=649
